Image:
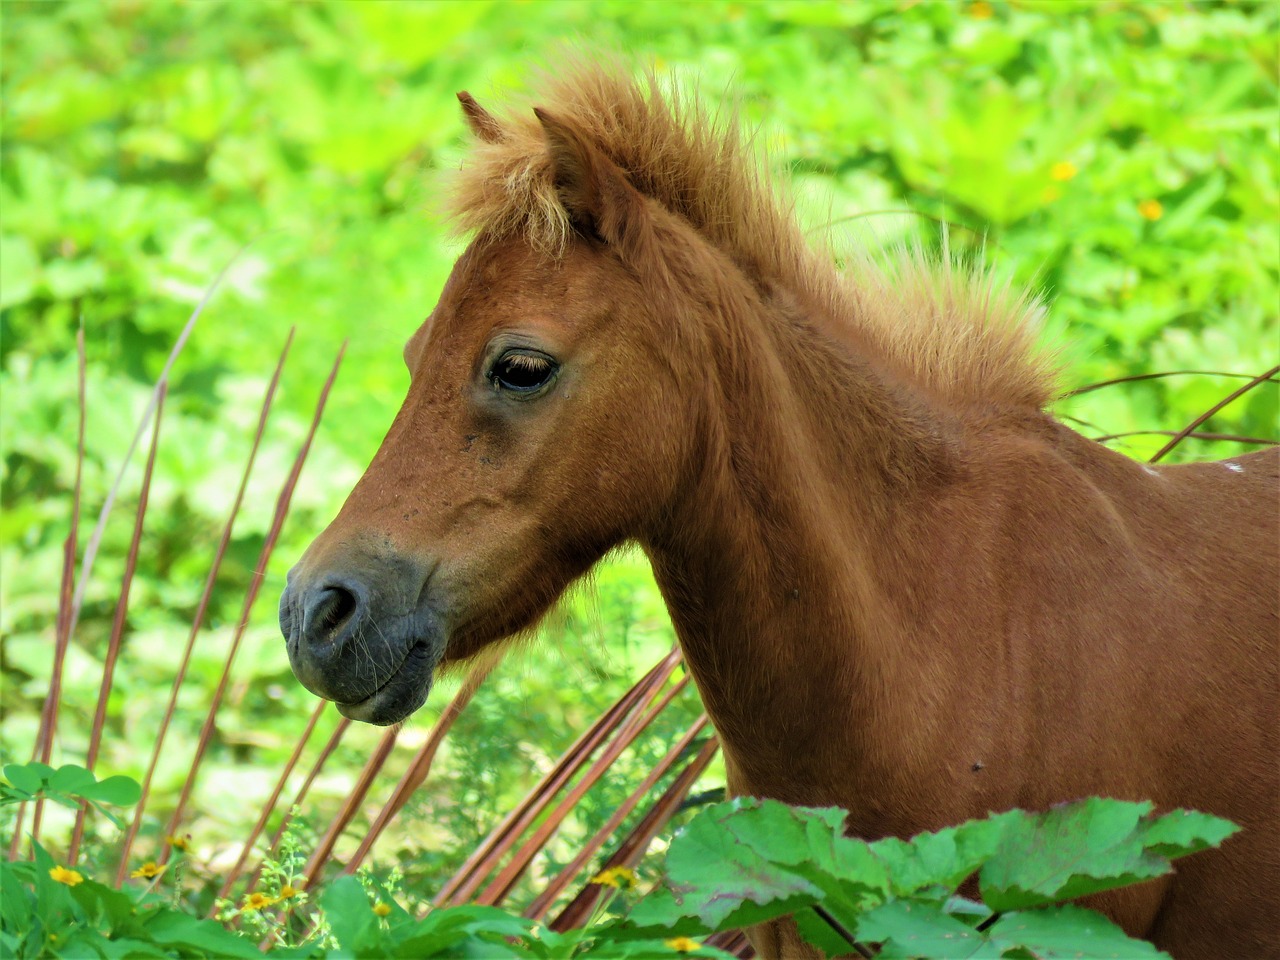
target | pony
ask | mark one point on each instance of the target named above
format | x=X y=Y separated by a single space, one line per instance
x=901 y=586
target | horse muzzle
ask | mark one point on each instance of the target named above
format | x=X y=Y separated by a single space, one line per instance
x=363 y=636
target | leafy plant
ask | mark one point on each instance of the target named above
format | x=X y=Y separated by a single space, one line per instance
x=67 y=785
x=745 y=861
x=741 y=862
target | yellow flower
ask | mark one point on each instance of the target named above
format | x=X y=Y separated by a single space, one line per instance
x=683 y=944
x=1063 y=171
x=178 y=843
x=382 y=909
x=148 y=870
x=620 y=877
x=63 y=875
x=287 y=892
x=258 y=901
x=1151 y=209
x=981 y=10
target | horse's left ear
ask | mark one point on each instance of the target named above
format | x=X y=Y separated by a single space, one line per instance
x=481 y=122
x=595 y=191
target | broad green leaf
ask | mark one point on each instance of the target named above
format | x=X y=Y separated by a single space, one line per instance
x=119 y=790
x=1181 y=832
x=920 y=928
x=125 y=947
x=16 y=901
x=715 y=865
x=1069 y=851
x=349 y=912
x=21 y=270
x=72 y=779
x=817 y=931
x=30 y=777
x=172 y=927
x=1057 y=933
x=943 y=859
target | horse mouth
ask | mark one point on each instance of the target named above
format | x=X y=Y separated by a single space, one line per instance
x=402 y=693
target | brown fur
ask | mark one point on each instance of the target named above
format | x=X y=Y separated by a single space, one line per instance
x=900 y=585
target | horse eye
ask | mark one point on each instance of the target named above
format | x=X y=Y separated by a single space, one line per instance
x=522 y=372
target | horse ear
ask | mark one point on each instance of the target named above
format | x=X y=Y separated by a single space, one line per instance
x=595 y=192
x=480 y=120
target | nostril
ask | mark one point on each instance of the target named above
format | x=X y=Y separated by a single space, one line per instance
x=334 y=605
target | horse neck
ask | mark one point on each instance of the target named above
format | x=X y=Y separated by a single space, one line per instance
x=773 y=556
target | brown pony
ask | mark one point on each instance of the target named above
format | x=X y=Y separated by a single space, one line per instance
x=901 y=586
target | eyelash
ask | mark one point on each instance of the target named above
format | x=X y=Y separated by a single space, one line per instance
x=522 y=372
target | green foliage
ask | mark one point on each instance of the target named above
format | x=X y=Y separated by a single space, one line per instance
x=741 y=862
x=746 y=860
x=1119 y=156
x=66 y=785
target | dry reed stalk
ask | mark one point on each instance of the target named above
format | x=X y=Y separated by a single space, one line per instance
x=1230 y=437
x=542 y=903
x=350 y=806
x=117 y=622
x=1133 y=378
x=1230 y=398
x=62 y=627
x=327 y=751
x=95 y=537
x=417 y=773
x=634 y=845
x=734 y=942
x=201 y=608
x=500 y=887
x=251 y=596
x=464 y=883
x=234 y=873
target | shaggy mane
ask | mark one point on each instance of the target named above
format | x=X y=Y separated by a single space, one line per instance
x=953 y=329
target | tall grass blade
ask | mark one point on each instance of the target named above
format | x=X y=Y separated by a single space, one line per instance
x=1134 y=378
x=201 y=608
x=421 y=766
x=350 y=807
x=543 y=902
x=464 y=883
x=1230 y=398
x=633 y=847
x=234 y=873
x=43 y=748
x=95 y=538
x=326 y=752
x=117 y=622
x=501 y=886
x=251 y=596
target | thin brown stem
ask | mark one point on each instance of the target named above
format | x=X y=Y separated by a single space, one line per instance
x=825 y=915
x=901 y=211
x=43 y=748
x=421 y=766
x=202 y=607
x=234 y=873
x=251 y=596
x=500 y=887
x=118 y=621
x=1225 y=401
x=634 y=845
x=542 y=903
x=350 y=807
x=1229 y=437
x=326 y=752
x=467 y=880
x=1156 y=376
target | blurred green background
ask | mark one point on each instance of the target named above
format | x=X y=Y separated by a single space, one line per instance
x=1119 y=156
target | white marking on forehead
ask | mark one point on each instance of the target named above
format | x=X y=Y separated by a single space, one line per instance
x=1151 y=470
x=1233 y=467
